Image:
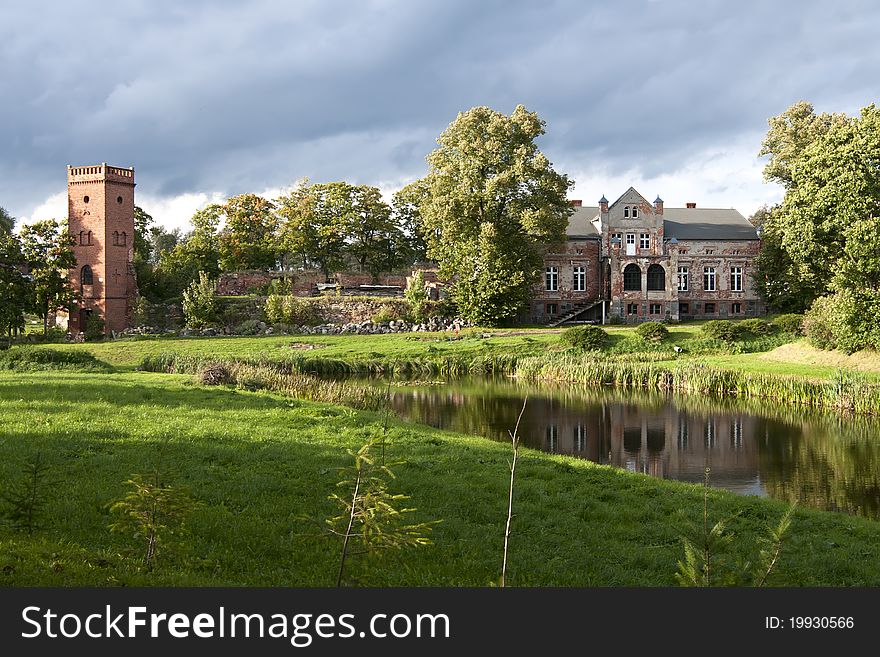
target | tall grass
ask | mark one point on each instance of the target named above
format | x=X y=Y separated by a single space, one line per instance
x=844 y=392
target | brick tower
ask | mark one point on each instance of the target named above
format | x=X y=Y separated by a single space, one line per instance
x=100 y=202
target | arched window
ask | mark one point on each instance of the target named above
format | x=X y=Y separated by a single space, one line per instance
x=656 y=278
x=115 y=238
x=635 y=214
x=82 y=238
x=86 y=276
x=89 y=238
x=626 y=212
x=124 y=241
x=632 y=278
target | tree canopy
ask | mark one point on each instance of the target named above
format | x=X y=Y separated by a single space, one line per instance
x=493 y=204
x=48 y=251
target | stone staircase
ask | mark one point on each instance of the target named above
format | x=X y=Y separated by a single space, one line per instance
x=575 y=312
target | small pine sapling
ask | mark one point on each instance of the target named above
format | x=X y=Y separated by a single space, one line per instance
x=25 y=501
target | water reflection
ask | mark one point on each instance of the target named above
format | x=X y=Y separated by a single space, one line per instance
x=821 y=460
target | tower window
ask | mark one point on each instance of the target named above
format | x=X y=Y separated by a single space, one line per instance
x=86 y=276
x=123 y=239
x=115 y=238
x=85 y=199
x=119 y=200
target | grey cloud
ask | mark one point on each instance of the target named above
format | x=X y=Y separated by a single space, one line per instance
x=230 y=96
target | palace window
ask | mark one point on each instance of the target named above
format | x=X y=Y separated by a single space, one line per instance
x=684 y=309
x=579 y=282
x=551 y=279
x=709 y=279
x=632 y=309
x=683 y=279
x=616 y=236
x=644 y=241
x=709 y=309
x=736 y=279
x=736 y=309
x=551 y=309
x=635 y=213
x=656 y=309
x=630 y=244
x=632 y=278
x=656 y=278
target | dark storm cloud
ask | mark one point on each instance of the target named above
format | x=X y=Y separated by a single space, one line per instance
x=235 y=96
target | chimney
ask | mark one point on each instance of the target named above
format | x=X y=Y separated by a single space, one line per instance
x=603 y=204
x=690 y=205
x=576 y=203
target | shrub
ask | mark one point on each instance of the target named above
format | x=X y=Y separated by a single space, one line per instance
x=415 y=295
x=27 y=358
x=845 y=320
x=288 y=309
x=586 y=338
x=199 y=302
x=653 y=331
x=722 y=329
x=790 y=323
x=94 y=329
x=756 y=326
x=249 y=327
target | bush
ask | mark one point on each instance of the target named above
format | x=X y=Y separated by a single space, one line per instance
x=249 y=327
x=415 y=295
x=790 y=323
x=586 y=338
x=288 y=309
x=94 y=329
x=653 y=331
x=756 y=326
x=845 y=320
x=722 y=329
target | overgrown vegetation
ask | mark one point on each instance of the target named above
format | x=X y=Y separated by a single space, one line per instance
x=29 y=359
x=585 y=338
x=653 y=331
x=199 y=302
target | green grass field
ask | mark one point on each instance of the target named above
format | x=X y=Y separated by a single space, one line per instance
x=257 y=461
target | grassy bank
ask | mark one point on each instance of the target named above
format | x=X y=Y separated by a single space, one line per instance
x=257 y=462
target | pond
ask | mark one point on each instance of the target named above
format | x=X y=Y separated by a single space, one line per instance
x=822 y=460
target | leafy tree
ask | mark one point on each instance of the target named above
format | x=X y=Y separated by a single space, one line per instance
x=823 y=237
x=493 y=200
x=372 y=237
x=407 y=215
x=197 y=251
x=48 y=251
x=248 y=239
x=7 y=222
x=199 y=302
x=790 y=134
x=16 y=290
x=314 y=219
x=415 y=296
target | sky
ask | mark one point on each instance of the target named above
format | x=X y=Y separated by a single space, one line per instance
x=208 y=99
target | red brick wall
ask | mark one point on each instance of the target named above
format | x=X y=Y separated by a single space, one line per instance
x=100 y=199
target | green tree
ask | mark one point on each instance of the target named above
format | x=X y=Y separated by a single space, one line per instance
x=16 y=290
x=248 y=238
x=313 y=226
x=197 y=251
x=373 y=239
x=494 y=201
x=199 y=302
x=48 y=251
x=822 y=237
x=7 y=222
x=406 y=212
